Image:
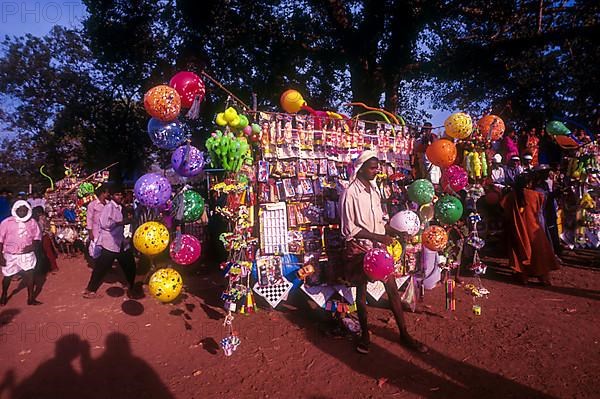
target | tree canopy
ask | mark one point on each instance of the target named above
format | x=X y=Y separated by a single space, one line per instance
x=79 y=92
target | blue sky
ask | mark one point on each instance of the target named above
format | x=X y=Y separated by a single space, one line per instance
x=38 y=16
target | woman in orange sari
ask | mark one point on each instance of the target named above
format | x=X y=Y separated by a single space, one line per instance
x=530 y=252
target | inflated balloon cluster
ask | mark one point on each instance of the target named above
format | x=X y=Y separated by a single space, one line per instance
x=164 y=103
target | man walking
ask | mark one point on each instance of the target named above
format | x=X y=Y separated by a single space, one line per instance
x=112 y=245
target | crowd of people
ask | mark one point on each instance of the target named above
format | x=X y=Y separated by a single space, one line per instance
x=522 y=196
x=29 y=249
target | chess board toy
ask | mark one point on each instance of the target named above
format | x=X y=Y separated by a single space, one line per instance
x=273 y=293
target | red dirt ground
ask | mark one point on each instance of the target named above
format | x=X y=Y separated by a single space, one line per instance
x=529 y=342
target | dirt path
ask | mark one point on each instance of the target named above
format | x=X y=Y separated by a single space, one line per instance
x=529 y=342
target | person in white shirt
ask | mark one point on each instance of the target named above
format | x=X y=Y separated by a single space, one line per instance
x=363 y=227
x=497 y=173
x=37 y=199
x=94 y=210
x=113 y=246
x=527 y=166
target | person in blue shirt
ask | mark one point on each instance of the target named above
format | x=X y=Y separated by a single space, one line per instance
x=4 y=204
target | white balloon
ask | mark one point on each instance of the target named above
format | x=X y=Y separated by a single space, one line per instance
x=407 y=222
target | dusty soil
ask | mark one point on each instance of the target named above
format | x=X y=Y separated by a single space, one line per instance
x=529 y=342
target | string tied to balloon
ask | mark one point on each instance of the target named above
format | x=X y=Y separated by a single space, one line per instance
x=194 y=110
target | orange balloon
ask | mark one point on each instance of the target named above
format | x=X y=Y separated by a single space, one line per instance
x=434 y=238
x=291 y=101
x=162 y=102
x=491 y=126
x=441 y=153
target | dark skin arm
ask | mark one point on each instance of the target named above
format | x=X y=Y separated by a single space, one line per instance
x=2 y=260
x=382 y=238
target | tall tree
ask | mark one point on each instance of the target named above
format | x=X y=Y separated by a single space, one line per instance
x=60 y=107
x=531 y=55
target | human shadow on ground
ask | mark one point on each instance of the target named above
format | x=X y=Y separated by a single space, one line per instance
x=451 y=378
x=117 y=373
x=6 y=316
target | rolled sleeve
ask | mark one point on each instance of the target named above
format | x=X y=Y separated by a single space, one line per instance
x=348 y=216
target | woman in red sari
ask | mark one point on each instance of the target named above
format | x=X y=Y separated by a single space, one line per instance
x=530 y=252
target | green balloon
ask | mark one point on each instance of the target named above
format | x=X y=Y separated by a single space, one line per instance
x=557 y=128
x=85 y=189
x=421 y=191
x=193 y=206
x=243 y=122
x=448 y=209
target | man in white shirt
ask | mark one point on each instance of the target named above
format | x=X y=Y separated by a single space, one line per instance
x=497 y=173
x=113 y=246
x=37 y=199
x=94 y=210
x=513 y=170
x=363 y=227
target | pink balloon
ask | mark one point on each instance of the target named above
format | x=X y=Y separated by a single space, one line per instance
x=378 y=264
x=186 y=250
x=188 y=85
x=454 y=179
x=247 y=130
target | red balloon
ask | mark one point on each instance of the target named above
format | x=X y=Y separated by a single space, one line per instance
x=188 y=85
x=492 y=198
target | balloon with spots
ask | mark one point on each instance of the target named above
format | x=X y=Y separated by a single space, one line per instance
x=152 y=190
x=185 y=250
x=193 y=205
x=165 y=284
x=151 y=238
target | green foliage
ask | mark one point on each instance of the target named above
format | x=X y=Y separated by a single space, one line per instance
x=64 y=110
x=78 y=94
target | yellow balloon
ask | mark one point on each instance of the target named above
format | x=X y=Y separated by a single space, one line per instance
x=291 y=101
x=151 y=238
x=235 y=122
x=220 y=119
x=395 y=249
x=458 y=125
x=230 y=114
x=165 y=284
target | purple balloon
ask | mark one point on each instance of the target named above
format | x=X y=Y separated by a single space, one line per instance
x=152 y=190
x=187 y=161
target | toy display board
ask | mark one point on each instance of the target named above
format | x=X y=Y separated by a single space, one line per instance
x=305 y=164
x=66 y=205
x=579 y=219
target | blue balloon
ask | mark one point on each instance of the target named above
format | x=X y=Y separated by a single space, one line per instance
x=166 y=135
